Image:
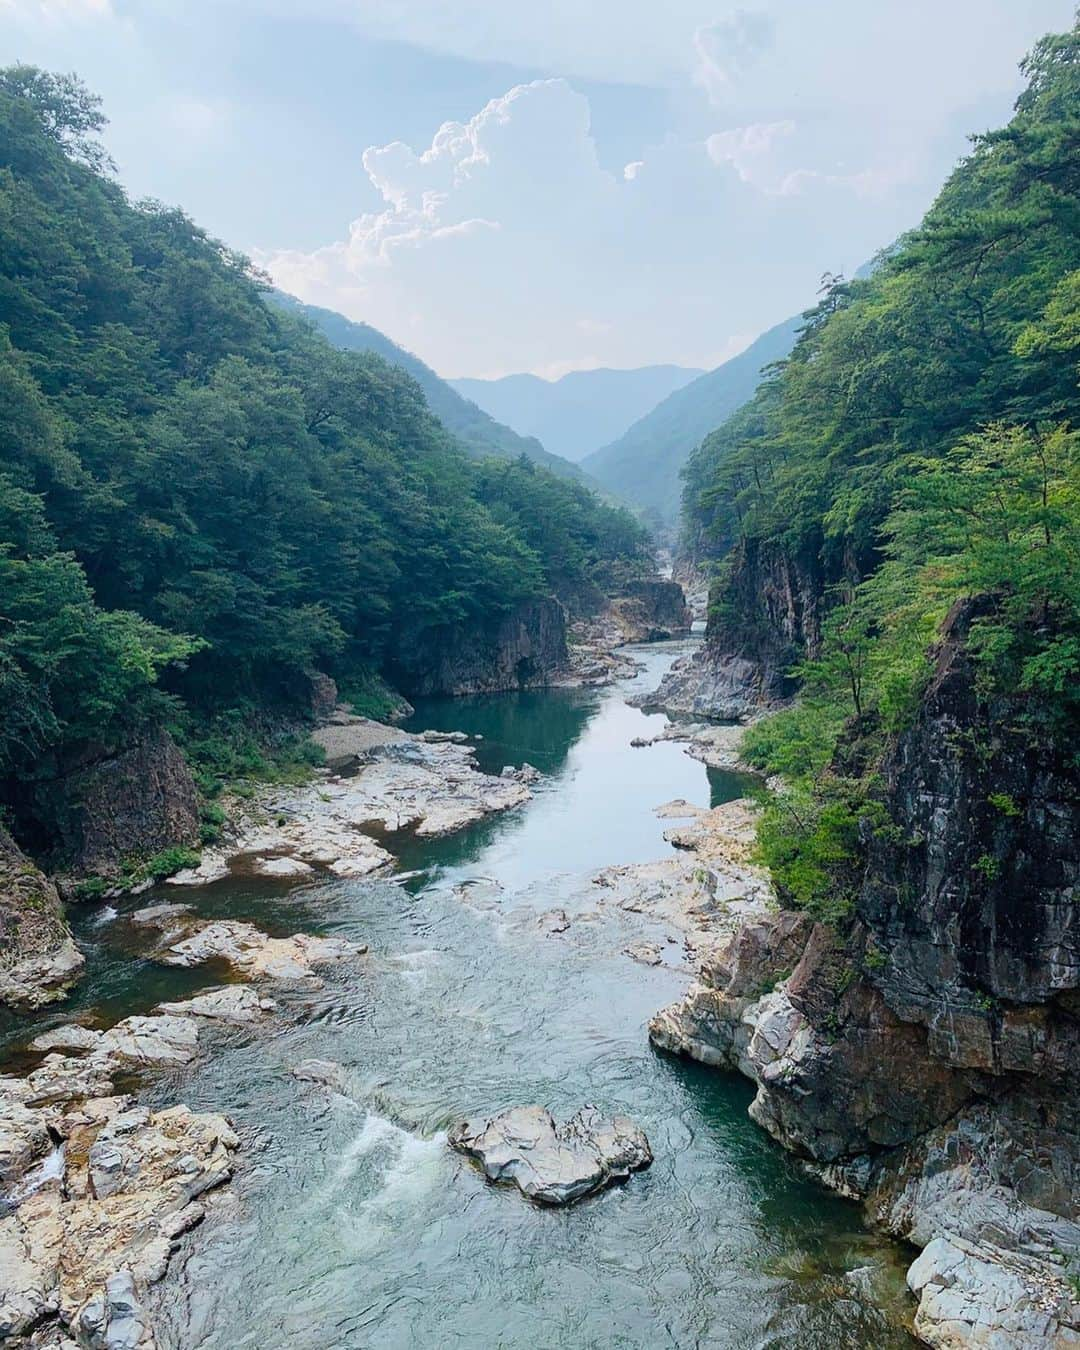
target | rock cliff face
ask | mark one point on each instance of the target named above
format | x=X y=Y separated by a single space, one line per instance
x=928 y=1059
x=138 y=800
x=38 y=959
x=522 y=650
x=765 y=616
x=651 y=611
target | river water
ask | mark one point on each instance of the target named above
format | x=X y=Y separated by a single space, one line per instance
x=352 y=1224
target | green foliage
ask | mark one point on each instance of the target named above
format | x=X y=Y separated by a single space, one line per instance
x=368 y=695
x=809 y=838
x=233 y=747
x=1003 y=802
x=987 y=866
x=200 y=497
x=167 y=863
x=915 y=451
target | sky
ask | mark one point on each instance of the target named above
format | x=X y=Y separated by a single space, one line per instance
x=506 y=185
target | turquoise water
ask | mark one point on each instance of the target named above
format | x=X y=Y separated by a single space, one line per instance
x=351 y=1224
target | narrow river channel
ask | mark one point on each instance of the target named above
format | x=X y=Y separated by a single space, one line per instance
x=353 y=1225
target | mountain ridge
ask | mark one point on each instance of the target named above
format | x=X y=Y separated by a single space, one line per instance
x=583 y=409
x=477 y=430
x=644 y=464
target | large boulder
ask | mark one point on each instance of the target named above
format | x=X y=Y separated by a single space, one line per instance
x=551 y=1163
x=39 y=961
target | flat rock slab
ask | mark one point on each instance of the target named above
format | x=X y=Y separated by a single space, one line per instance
x=551 y=1163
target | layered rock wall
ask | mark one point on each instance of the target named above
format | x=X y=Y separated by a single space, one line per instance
x=927 y=1059
x=135 y=801
x=38 y=959
x=523 y=649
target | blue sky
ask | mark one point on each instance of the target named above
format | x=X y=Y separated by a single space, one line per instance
x=504 y=186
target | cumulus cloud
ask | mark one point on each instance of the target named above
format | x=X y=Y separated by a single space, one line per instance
x=747 y=148
x=493 y=241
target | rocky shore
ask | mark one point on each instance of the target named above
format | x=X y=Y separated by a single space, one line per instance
x=97 y=1189
x=924 y=1061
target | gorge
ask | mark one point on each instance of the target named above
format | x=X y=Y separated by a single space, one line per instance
x=373 y=831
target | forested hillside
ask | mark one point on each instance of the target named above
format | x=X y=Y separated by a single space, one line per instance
x=480 y=434
x=200 y=497
x=581 y=411
x=644 y=464
x=917 y=454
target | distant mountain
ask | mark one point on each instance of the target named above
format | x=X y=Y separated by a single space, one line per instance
x=479 y=434
x=582 y=411
x=643 y=464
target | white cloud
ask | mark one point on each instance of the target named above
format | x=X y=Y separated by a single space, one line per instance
x=491 y=240
x=726 y=49
x=746 y=148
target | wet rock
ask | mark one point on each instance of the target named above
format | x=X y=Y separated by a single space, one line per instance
x=647 y=953
x=71 y=1038
x=430 y=785
x=550 y=1163
x=527 y=773
x=24 y=1133
x=39 y=961
x=281 y=867
x=554 y=921
x=86 y=1255
x=234 y=1003
x=322 y=1071
x=252 y=953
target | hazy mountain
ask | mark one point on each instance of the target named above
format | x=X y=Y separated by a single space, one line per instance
x=643 y=464
x=478 y=432
x=582 y=411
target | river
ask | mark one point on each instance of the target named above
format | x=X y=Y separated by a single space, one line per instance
x=352 y=1224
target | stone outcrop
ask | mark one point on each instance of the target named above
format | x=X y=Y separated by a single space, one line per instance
x=550 y=1163
x=770 y=620
x=134 y=802
x=98 y=1190
x=652 y=610
x=927 y=1060
x=39 y=961
x=426 y=783
x=523 y=649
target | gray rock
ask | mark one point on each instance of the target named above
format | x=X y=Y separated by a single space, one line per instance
x=970 y=1298
x=39 y=962
x=233 y=1003
x=322 y=1071
x=550 y=1163
x=70 y=1037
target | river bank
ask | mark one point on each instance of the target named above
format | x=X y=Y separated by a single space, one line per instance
x=522 y=965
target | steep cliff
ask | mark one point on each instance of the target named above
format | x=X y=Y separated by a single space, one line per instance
x=38 y=959
x=926 y=1056
x=765 y=615
x=522 y=649
x=652 y=610
x=110 y=805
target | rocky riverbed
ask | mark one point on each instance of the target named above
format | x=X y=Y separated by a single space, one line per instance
x=99 y=1189
x=95 y=1149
